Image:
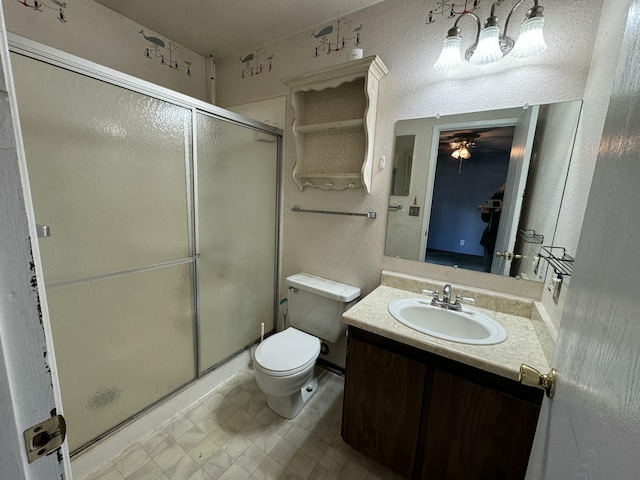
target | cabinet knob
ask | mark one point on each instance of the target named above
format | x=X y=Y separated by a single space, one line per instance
x=533 y=378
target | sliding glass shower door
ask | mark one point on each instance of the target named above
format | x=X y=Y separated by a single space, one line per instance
x=113 y=176
x=107 y=173
x=237 y=222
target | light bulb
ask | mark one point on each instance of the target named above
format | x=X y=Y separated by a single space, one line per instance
x=450 y=56
x=456 y=153
x=531 y=40
x=488 y=49
x=465 y=153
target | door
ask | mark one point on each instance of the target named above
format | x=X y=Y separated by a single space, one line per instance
x=514 y=188
x=591 y=428
x=29 y=390
x=487 y=120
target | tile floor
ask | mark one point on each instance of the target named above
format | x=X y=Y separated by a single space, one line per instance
x=232 y=435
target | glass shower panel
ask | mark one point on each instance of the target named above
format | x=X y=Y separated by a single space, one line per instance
x=121 y=344
x=237 y=207
x=107 y=172
x=108 y=169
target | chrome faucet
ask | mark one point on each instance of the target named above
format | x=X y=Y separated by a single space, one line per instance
x=446 y=299
x=446 y=293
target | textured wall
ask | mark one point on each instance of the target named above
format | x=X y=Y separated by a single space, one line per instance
x=352 y=249
x=590 y=429
x=98 y=34
x=596 y=102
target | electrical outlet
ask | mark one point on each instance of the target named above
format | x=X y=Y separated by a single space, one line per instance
x=461 y=242
x=414 y=211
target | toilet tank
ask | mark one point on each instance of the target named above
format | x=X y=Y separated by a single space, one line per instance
x=316 y=304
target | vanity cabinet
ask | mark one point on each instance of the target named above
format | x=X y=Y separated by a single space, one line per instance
x=427 y=417
x=334 y=125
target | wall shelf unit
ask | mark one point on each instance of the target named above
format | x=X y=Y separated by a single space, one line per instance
x=335 y=114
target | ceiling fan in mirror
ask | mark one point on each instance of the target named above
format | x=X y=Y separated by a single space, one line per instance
x=461 y=143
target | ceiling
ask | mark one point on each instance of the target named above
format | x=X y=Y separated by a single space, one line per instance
x=222 y=28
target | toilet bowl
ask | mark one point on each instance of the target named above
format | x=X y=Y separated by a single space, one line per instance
x=284 y=362
x=283 y=366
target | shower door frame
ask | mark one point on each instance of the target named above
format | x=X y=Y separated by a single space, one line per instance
x=37 y=51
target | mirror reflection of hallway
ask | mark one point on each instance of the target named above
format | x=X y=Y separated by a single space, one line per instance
x=541 y=152
x=461 y=185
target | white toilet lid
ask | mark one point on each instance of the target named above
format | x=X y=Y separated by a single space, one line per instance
x=287 y=351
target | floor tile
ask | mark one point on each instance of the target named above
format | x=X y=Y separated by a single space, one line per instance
x=204 y=450
x=197 y=412
x=239 y=419
x=183 y=468
x=191 y=438
x=149 y=471
x=110 y=474
x=315 y=447
x=322 y=473
x=252 y=458
x=218 y=464
x=200 y=475
x=133 y=461
x=301 y=465
x=223 y=434
x=353 y=471
x=169 y=456
x=235 y=472
x=283 y=452
x=178 y=427
x=267 y=441
x=333 y=460
x=269 y=469
x=156 y=442
x=231 y=434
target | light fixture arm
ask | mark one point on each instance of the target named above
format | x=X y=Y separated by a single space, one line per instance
x=478 y=24
x=455 y=31
x=535 y=11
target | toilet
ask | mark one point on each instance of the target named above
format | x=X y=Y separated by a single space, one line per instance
x=284 y=362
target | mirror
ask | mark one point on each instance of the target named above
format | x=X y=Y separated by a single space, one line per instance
x=402 y=163
x=481 y=181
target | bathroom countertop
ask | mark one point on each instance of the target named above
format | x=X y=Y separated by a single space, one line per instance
x=521 y=346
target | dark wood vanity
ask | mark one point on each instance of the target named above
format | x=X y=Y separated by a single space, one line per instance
x=427 y=417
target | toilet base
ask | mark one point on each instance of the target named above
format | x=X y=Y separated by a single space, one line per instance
x=289 y=406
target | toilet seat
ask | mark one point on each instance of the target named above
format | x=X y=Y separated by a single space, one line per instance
x=287 y=353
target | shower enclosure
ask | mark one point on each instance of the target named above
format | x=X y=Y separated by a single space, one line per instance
x=162 y=215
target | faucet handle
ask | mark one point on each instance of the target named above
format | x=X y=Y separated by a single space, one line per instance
x=469 y=300
x=435 y=293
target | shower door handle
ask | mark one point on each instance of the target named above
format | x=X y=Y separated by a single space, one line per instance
x=43 y=230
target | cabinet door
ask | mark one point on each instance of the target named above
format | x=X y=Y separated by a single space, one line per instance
x=382 y=405
x=476 y=433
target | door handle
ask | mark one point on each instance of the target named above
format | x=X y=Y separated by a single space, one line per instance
x=508 y=255
x=43 y=230
x=533 y=378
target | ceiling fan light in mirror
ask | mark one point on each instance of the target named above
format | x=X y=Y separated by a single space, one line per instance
x=462 y=150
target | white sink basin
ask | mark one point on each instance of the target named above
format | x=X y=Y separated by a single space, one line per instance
x=466 y=326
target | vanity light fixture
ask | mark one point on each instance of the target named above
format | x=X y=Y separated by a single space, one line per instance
x=490 y=45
